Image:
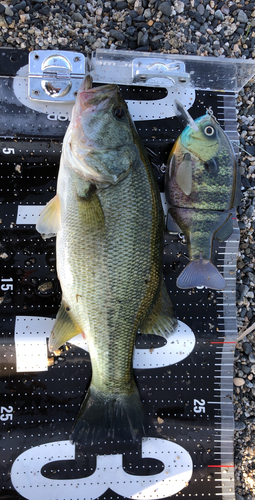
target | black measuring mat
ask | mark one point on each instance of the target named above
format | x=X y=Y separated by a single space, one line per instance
x=185 y=383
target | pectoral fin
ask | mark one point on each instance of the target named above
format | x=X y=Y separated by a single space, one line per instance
x=161 y=320
x=171 y=167
x=49 y=220
x=64 y=328
x=225 y=231
x=184 y=175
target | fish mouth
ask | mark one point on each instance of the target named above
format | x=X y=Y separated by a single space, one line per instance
x=96 y=98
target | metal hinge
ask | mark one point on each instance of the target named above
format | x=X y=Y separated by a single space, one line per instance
x=55 y=76
x=169 y=73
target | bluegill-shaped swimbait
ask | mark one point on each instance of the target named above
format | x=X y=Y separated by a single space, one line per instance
x=108 y=218
x=201 y=188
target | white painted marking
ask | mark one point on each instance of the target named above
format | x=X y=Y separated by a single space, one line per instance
x=27 y=479
x=28 y=214
x=30 y=343
x=31 y=333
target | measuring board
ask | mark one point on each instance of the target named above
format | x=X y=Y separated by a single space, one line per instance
x=185 y=383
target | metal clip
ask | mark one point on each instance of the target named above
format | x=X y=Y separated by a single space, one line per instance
x=55 y=76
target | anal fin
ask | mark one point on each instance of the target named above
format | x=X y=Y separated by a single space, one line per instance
x=64 y=328
x=161 y=319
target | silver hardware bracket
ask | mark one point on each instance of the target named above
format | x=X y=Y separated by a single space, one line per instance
x=55 y=75
x=169 y=73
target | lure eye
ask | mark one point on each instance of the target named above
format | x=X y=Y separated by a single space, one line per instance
x=119 y=112
x=209 y=131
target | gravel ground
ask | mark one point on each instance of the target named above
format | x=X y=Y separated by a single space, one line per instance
x=197 y=27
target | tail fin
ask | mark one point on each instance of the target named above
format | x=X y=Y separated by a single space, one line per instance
x=201 y=273
x=116 y=416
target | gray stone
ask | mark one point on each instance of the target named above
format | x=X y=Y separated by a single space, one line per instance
x=117 y=35
x=20 y=6
x=167 y=45
x=239 y=497
x=8 y=11
x=248 y=384
x=219 y=15
x=90 y=39
x=131 y=30
x=216 y=44
x=243 y=289
x=200 y=9
x=246 y=369
x=202 y=40
x=190 y=47
x=9 y=19
x=252 y=357
x=121 y=5
x=165 y=8
x=242 y=17
x=143 y=38
x=247 y=348
x=239 y=426
x=76 y=16
x=147 y=14
x=249 y=211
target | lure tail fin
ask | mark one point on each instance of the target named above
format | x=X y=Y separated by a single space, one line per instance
x=116 y=416
x=201 y=273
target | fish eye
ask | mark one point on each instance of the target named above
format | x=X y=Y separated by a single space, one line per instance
x=209 y=130
x=119 y=112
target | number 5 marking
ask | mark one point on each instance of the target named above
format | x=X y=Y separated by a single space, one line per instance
x=28 y=481
x=8 y=151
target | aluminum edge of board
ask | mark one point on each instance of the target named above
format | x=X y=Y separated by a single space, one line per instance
x=229 y=324
x=230 y=327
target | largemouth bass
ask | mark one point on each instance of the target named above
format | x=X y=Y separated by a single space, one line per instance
x=108 y=219
x=201 y=187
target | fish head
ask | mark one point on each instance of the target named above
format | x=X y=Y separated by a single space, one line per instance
x=99 y=144
x=205 y=142
x=100 y=120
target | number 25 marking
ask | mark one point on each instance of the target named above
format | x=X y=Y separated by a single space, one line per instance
x=199 y=406
x=6 y=413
